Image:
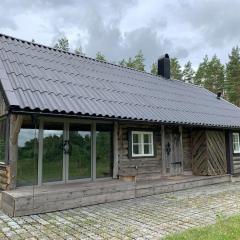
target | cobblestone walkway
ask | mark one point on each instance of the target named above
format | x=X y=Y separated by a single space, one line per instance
x=143 y=218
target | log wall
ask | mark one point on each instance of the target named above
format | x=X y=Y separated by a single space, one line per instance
x=236 y=164
x=5 y=177
x=138 y=167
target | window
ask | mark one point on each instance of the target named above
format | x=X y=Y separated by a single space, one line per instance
x=3 y=127
x=236 y=144
x=104 y=151
x=27 y=163
x=80 y=139
x=142 y=144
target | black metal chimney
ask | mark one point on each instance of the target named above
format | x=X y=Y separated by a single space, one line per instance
x=164 y=66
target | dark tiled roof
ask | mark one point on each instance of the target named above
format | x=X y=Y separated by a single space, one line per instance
x=39 y=78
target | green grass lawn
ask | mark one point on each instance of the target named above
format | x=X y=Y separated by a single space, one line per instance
x=224 y=229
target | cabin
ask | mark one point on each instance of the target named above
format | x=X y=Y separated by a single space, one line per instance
x=75 y=131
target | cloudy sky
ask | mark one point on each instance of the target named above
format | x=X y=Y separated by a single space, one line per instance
x=183 y=28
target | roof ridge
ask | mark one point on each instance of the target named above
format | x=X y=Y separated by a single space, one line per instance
x=96 y=60
x=77 y=55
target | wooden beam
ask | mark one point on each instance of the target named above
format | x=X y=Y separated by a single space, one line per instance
x=163 y=150
x=15 y=126
x=115 y=150
x=181 y=148
x=94 y=158
x=229 y=151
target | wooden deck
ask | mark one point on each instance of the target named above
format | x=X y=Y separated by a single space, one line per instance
x=29 y=200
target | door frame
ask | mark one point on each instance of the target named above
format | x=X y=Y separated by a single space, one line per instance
x=164 y=163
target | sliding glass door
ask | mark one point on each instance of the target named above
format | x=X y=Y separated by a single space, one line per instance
x=104 y=151
x=79 y=159
x=64 y=151
x=52 y=157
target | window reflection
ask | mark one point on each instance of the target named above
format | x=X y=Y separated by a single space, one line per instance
x=27 y=163
x=104 y=152
x=80 y=151
x=52 y=152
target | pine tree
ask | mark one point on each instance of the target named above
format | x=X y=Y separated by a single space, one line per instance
x=79 y=51
x=100 y=57
x=216 y=75
x=154 y=69
x=122 y=63
x=233 y=76
x=175 y=69
x=201 y=74
x=138 y=61
x=130 y=63
x=210 y=74
x=188 y=72
x=62 y=44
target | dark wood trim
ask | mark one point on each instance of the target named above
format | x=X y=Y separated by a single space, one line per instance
x=229 y=151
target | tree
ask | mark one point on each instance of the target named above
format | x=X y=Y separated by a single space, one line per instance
x=232 y=83
x=79 y=51
x=210 y=74
x=122 y=63
x=130 y=63
x=188 y=72
x=154 y=69
x=175 y=69
x=62 y=44
x=201 y=74
x=100 y=57
x=139 y=61
x=216 y=75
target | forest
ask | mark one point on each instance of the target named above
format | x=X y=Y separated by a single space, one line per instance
x=211 y=73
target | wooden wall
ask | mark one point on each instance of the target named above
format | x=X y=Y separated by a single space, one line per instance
x=236 y=164
x=187 y=149
x=139 y=167
x=5 y=177
x=209 y=152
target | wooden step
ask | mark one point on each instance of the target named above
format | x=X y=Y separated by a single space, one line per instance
x=148 y=176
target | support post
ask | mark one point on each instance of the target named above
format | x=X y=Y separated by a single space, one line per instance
x=15 y=126
x=181 y=148
x=94 y=151
x=163 y=150
x=229 y=151
x=115 y=150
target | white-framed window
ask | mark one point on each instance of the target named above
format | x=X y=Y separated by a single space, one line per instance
x=236 y=143
x=142 y=144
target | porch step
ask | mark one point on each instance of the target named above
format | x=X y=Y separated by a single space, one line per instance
x=172 y=184
x=24 y=201
x=148 y=176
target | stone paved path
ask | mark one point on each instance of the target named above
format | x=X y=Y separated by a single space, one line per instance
x=144 y=218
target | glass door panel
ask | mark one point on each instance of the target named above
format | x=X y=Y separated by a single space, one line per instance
x=104 y=151
x=27 y=163
x=52 y=152
x=79 y=151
